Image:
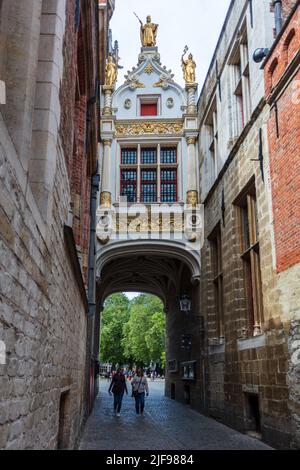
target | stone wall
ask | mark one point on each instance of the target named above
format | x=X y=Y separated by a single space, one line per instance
x=256 y=365
x=252 y=372
x=44 y=331
x=42 y=320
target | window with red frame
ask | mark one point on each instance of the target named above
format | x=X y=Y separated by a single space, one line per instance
x=148 y=109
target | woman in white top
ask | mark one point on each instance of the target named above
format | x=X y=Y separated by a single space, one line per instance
x=139 y=389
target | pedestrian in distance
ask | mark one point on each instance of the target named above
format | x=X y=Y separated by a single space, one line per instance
x=140 y=388
x=118 y=386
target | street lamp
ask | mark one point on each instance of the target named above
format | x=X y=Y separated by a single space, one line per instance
x=185 y=303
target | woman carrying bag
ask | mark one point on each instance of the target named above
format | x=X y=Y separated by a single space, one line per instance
x=139 y=388
x=118 y=387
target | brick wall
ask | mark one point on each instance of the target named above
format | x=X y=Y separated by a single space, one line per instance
x=284 y=140
x=287 y=6
x=282 y=75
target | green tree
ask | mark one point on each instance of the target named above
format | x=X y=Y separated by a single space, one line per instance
x=132 y=331
x=134 y=343
x=144 y=334
x=115 y=315
x=155 y=336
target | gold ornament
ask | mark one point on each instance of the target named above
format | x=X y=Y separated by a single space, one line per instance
x=137 y=85
x=189 y=69
x=149 y=69
x=107 y=143
x=105 y=199
x=149 y=127
x=191 y=140
x=192 y=198
x=111 y=72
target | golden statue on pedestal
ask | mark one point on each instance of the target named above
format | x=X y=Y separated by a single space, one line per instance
x=189 y=68
x=148 y=32
x=111 y=72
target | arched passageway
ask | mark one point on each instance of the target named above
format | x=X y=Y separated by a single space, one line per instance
x=169 y=271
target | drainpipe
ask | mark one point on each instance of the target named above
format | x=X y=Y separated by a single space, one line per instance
x=92 y=250
x=278 y=15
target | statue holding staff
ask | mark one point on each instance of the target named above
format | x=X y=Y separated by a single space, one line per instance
x=188 y=67
x=148 y=32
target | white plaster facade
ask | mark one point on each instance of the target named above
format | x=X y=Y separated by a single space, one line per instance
x=126 y=108
x=174 y=125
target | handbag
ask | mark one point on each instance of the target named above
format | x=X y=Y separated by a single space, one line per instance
x=135 y=393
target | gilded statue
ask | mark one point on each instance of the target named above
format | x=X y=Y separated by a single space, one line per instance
x=148 y=32
x=111 y=72
x=189 y=68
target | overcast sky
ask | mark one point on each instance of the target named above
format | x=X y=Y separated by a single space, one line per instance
x=196 y=23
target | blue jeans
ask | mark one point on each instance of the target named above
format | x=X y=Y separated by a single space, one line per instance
x=140 y=402
x=118 y=397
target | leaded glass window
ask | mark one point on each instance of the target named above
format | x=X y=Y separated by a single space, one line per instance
x=129 y=156
x=149 y=156
x=168 y=155
x=128 y=184
x=149 y=186
x=168 y=185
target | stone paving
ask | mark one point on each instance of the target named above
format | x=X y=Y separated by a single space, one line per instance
x=166 y=425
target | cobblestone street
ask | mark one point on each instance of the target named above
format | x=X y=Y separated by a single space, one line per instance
x=167 y=425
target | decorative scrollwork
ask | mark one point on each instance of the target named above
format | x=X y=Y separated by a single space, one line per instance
x=149 y=127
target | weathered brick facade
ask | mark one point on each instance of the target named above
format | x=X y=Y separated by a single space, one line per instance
x=48 y=154
x=282 y=76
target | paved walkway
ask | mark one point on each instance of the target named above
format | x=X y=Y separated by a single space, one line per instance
x=166 y=425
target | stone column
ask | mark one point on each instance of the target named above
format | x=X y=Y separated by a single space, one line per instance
x=108 y=91
x=192 y=192
x=105 y=199
x=191 y=89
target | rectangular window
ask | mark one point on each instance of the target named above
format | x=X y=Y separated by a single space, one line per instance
x=149 y=174
x=149 y=156
x=149 y=186
x=168 y=185
x=250 y=255
x=211 y=126
x=217 y=270
x=148 y=109
x=240 y=84
x=168 y=155
x=128 y=184
x=129 y=156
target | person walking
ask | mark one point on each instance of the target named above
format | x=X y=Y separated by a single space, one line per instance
x=139 y=389
x=117 y=387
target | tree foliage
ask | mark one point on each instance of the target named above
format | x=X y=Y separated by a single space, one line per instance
x=115 y=315
x=133 y=331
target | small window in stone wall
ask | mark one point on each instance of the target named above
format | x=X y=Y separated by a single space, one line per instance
x=188 y=370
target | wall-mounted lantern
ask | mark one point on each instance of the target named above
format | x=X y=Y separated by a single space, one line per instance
x=185 y=303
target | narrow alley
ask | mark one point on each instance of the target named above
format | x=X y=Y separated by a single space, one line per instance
x=166 y=425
